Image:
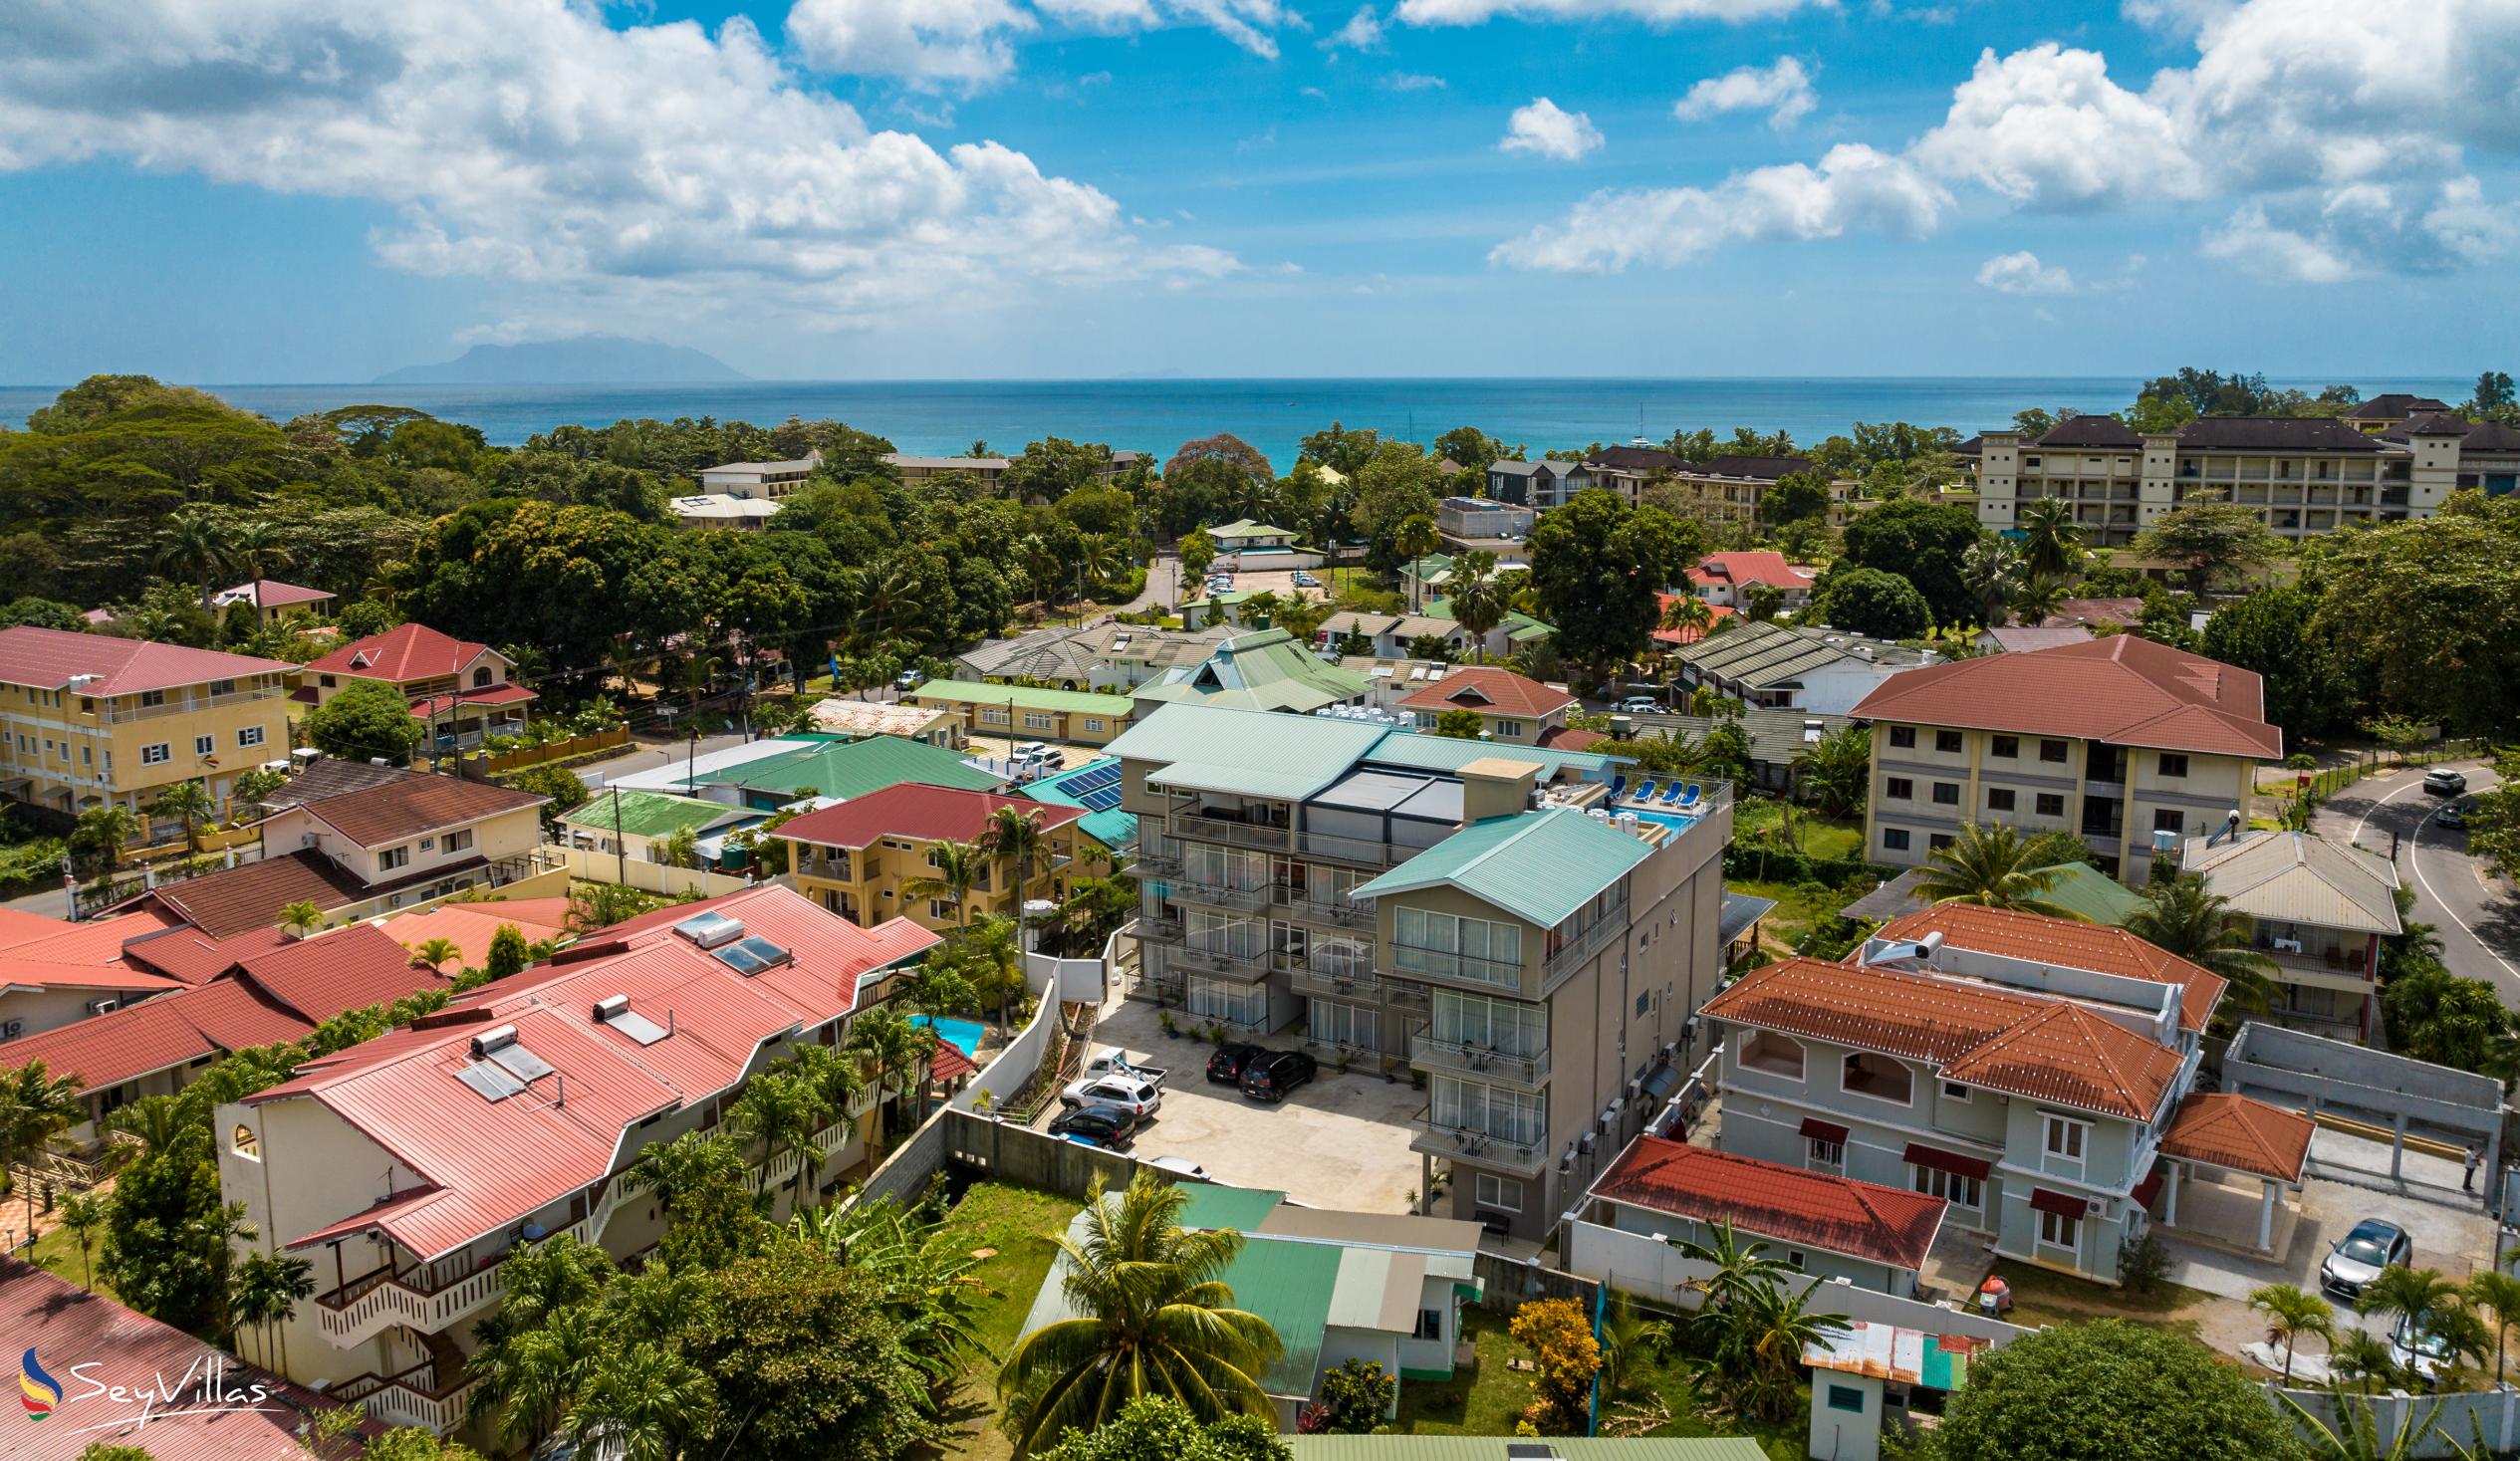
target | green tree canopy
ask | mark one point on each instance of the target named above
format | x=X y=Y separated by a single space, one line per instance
x=1870 y=602
x=1160 y=1428
x=2112 y=1391
x=1599 y=567
x=2428 y=606
x=362 y=720
x=2209 y=541
x=1923 y=543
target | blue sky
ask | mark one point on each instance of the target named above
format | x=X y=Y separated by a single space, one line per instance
x=324 y=190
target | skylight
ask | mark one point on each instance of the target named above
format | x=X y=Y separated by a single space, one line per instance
x=752 y=955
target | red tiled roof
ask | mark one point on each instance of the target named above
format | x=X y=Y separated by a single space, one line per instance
x=64 y=1325
x=345 y=969
x=950 y=1063
x=1489 y=691
x=186 y=953
x=433 y=706
x=1565 y=738
x=413 y=805
x=403 y=653
x=1744 y=569
x=2020 y=1043
x=48 y=658
x=1784 y=1204
x=914 y=809
x=491 y=1163
x=250 y=897
x=2241 y=1135
x=2124 y=689
x=2039 y=939
x=471 y=926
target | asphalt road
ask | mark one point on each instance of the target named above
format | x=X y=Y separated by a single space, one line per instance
x=2477 y=913
x=654 y=754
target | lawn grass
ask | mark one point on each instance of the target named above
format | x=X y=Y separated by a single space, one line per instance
x=1817 y=835
x=1799 y=905
x=2044 y=1297
x=57 y=1252
x=1015 y=1222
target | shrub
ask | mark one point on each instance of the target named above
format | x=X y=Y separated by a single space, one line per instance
x=1354 y=1398
x=2142 y=1263
x=1567 y=1356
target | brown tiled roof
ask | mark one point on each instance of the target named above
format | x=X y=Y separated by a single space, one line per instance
x=2241 y=1135
x=1756 y=468
x=332 y=776
x=242 y=900
x=413 y=805
x=2023 y=1045
x=2272 y=434
x=1637 y=459
x=2066 y=943
x=1490 y=691
x=2124 y=689
x=2087 y=432
x=2394 y=406
x=1768 y=1200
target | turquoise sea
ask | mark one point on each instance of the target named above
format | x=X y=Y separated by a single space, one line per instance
x=947 y=416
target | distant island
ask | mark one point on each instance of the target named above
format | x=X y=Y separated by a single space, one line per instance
x=588 y=359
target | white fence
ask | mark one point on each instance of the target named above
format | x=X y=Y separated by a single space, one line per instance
x=2445 y=1419
x=1652 y=1270
x=1013 y=1065
x=638 y=872
x=1075 y=981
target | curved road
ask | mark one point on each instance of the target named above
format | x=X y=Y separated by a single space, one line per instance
x=2477 y=913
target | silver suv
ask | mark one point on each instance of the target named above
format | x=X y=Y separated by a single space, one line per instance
x=2443 y=782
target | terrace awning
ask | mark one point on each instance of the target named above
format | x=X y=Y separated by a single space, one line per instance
x=1919 y=1154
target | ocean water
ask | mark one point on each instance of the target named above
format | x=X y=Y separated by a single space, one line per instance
x=942 y=417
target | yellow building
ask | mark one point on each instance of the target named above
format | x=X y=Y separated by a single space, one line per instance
x=861 y=858
x=1026 y=713
x=90 y=720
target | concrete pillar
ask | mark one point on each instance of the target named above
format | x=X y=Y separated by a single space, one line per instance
x=2266 y=1218
x=2398 y=1150
x=2169 y=1201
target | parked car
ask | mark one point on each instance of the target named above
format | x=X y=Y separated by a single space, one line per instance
x=2441 y=780
x=909 y=680
x=1639 y=706
x=2372 y=1243
x=1226 y=1066
x=2410 y=1347
x=1274 y=1074
x=2454 y=815
x=1180 y=1166
x=1109 y=1061
x=1137 y=1098
x=1094 y=1125
x=1304 y=579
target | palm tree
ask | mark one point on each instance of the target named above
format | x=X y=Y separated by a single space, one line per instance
x=104 y=830
x=959 y=867
x=782 y=1113
x=302 y=917
x=1478 y=601
x=1687 y=612
x=262 y=1291
x=700 y=670
x=2292 y=1312
x=192 y=543
x=1099 y=557
x=2202 y=927
x=253 y=544
x=885 y=1038
x=833 y=1080
x=694 y=1161
x=923 y=1274
x=532 y=1375
x=1415 y=538
x=2051 y=541
x=2359 y=1354
x=2492 y=1289
x=189 y=801
x=83 y=1217
x=1154 y=1318
x=1015 y=836
x=2037 y=601
x=1738 y=1266
x=1834 y=770
x=35 y=1107
x=1764 y=1339
x=1990 y=865
x=2420 y=1296
x=641 y=1403
x=433 y=954
x=1992 y=571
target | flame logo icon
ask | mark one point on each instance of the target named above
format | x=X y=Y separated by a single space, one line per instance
x=37 y=1392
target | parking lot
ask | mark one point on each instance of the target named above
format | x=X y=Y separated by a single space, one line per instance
x=1340 y=1140
x=1280 y=582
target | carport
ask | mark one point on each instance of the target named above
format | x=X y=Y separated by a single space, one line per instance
x=2216 y=1147
x=2391 y=1093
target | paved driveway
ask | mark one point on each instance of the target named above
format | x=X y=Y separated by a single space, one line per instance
x=1338 y=1141
x=2477 y=913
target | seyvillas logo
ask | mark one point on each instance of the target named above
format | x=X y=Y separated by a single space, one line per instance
x=39 y=1392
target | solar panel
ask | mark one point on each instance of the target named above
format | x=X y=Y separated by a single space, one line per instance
x=489 y=1081
x=741 y=959
x=637 y=1026
x=1101 y=801
x=520 y=1063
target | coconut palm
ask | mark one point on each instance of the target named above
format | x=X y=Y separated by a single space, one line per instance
x=1415 y=538
x=2359 y=1354
x=959 y=867
x=782 y=1113
x=1762 y=1339
x=84 y=1217
x=433 y=954
x=1834 y=770
x=190 y=802
x=2202 y=927
x=302 y=917
x=1991 y=865
x=1687 y=612
x=2420 y=1296
x=1992 y=571
x=695 y=1161
x=2051 y=541
x=1016 y=836
x=1100 y=557
x=192 y=543
x=2292 y=1312
x=1153 y=1318
x=2037 y=601
x=1477 y=599
x=262 y=1291
x=2497 y=1291
x=102 y=833
x=891 y=1047
x=640 y=1404
x=35 y=1107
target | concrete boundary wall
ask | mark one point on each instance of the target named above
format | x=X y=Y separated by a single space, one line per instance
x=2450 y=1421
x=638 y=872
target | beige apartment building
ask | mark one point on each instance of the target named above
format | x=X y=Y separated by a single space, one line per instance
x=2129 y=745
x=2307 y=475
x=1476 y=916
x=90 y=720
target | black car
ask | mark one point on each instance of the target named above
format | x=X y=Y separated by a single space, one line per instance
x=1101 y=1126
x=1276 y=1073
x=1225 y=1068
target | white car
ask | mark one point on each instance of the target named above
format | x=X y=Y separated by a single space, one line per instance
x=1137 y=1098
x=1180 y=1166
x=1639 y=706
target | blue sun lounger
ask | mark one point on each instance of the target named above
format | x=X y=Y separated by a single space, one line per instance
x=1673 y=795
x=1646 y=793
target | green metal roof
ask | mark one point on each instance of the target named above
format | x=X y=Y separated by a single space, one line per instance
x=1213 y=1205
x=1492 y=1448
x=1425 y=751
x=1023 y=697
x=2085 y=889
x=857 y=768
x=1290 y=1285
x=1540 y=866
x=1253 y=751
x=1516 y=624
x=651 y=814
x=1259 y=669
x=1246 y=528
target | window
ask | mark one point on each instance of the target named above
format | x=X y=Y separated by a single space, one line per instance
x=2059 y=1230
x=1517 y=1118
x=1876 y=1075
x=457 y=841
x=222 y=687
x=2173 y=764
x=1951 y=1187
x=2064 y=1137
x=1849 y=1399
x=2052 y=751
x=158 y=755
x=1899 y=787
x=1329 y=1022
x=1955 y=1090
x=392 y=858
x=1092 y=726
x=1938 y=842
x=1904 y=737
x=1465 y=948
x=251 y=735
x=1429 y=1324
x=1946 y=794
x=940 y=909
x=482 y=678
x=1823 y=1156
x=1039 y=720
x=245 y=1143
x=2052 y=803
x=153 y=698
x=2007 y=747
x=1504 y=1194
x=1947 y=742
x=1794 y=1259
x=204 y=745
x=1509 y=729
x=1999 y=799
x=1777 y=1054
x=1894 y=838
x=327 y=681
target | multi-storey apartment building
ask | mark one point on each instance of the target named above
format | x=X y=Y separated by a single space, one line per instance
x=464 y=690
x=1470 y=911
x=765 y=480
x=2320 y=910
x=2130 y=745
x=859 y=858
x=407 y=1168
x=2038 y=1082
x=2306 y=475
x=91 y=720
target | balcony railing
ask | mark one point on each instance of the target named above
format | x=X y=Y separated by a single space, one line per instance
x=1445 y=964
x=1474 y=1144
x=1238 y=834
x=1160 y=930
x=1315 y=983
x=1343 y=914
x=1604 y=932
x=1482 y=1061
x=1360 y=851
x=1219 y=962
x=413 y=1397
x=111 y=715
x=1221 y=896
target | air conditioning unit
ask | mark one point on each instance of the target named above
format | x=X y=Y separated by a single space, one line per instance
x=12 y=1029
x=104 y=1006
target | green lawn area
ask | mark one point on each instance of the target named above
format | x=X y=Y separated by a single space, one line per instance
x=2043 y=1296
x=1015 y=1222
x=1798 y=906
x=1488 y=1400
x=1820 y=836
x=57 y=1252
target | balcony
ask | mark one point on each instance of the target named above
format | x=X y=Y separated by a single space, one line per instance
x=1160 y=862
x=174 y=706
x=1219 y=895
x=1350 y=987
x=1236 y=834
x=1604 y=932
x=1361 y=852
x=1445 y=964
x=1219 y=962
x=1482 y=1061
x=1475 y=1145
x=1359 y=916
x=1160 y=930
x=368 y=1306
x=413 y=1397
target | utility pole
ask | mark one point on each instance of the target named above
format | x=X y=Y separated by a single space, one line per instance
x=620 y=845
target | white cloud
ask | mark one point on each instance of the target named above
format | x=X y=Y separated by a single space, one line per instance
x=635 y=177
x=2022 y=273
x=1413 y=81
x=1547 y=130
x=927 y=43
x=1246 y=23
x=1363 y=32
x=1655 y=12
x=2046 y=127
x=1855 y=190
x=1782 y=91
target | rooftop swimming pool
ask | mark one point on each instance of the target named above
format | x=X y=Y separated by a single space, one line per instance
x=962 y=1035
